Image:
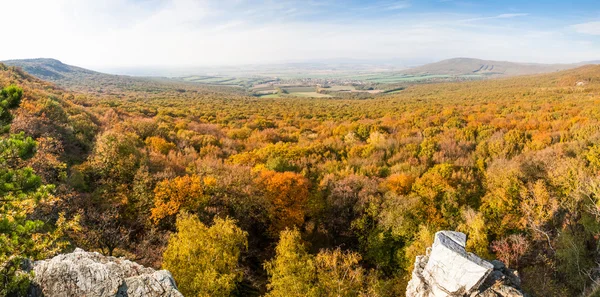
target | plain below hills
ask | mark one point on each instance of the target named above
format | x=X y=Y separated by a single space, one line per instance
x=297 y=80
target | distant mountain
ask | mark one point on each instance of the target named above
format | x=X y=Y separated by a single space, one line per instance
x=595 y=62
x=80 y=79
x=50 y=69
x=468 y=66
x=71 y=77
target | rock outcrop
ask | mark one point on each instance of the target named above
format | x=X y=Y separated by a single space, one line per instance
x=449 y=270
x=93 y=275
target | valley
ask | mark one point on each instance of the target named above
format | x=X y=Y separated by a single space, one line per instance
x=127 y=166
x=300 y=148
x=295 y=80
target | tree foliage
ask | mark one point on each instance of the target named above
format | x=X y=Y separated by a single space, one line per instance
x=365 y=183
x=184 y=193
x=21 y=190
x=287 y=193
x=295 y=272
x=292 y=271
x=205 y=260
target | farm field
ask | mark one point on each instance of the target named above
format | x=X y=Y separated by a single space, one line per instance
x=225 y=80
x=311 y=94
x=264 y=83
x=278 y=91
x=342 y=88
x=270 y=96
x=375 y=77
x=298 y=92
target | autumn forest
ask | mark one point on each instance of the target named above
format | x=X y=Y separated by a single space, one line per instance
x=245 y=196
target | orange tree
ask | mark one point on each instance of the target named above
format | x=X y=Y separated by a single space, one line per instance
x=287 y=193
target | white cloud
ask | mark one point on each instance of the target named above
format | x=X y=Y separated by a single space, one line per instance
x=121 y=33
x=500 y=16
x=591 y=28
x=510 y=15
x=398 y=5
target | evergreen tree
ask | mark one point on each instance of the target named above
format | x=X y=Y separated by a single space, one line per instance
x=20 y=190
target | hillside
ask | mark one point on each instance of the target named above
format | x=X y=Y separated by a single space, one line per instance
x=83 y=80
x=51 y=113
x=172 y=178
x=468 y=66
x=67 y=76
x=51 y=69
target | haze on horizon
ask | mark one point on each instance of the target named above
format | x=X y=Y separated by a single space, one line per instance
x=114 y=34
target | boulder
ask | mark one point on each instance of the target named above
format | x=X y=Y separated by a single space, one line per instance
x=449 y=270
x=88 y=274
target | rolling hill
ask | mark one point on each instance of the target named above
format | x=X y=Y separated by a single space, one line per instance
x=51 y=69
x=467 y=66
x=73 y=77
x=452 y=140
x=84 y=80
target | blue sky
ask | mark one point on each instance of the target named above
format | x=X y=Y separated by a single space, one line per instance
x=187 y=33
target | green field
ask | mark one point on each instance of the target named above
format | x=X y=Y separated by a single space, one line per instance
x=310 y=94
x=270 y=96
x=245 y=82
x=296 y=94
x=394 y=91
x=260 y=84
x=300 y=89
x=341 y=88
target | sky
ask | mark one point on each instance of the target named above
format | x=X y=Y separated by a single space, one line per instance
x=188 y=33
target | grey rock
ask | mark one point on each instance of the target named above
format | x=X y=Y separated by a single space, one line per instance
x=93 y=275
x=449 y=270
x=498 y=265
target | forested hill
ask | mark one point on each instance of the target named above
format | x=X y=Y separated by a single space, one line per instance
x=65 y=75
x=469 y=66
x=109 y=85
x=49 y=112
x=50 y=69
x=292 y=191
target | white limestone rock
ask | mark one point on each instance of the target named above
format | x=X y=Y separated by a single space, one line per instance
x=449 y=270
x=93 y=275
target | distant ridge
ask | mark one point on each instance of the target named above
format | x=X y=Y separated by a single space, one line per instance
x=67 y=76
x=50 y=69
x=80 y=79
x=469 y=66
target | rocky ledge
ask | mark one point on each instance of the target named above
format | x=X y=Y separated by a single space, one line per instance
x=88 y=274
x=448 y=270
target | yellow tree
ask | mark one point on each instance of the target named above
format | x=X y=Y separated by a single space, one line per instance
x=501 y=203
x=204 y=260
x=538 y=207
x=475 y=227
x=295 y=272
x=292 y=272
x=339 y=273
x=422 y=240
x=159 y=144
